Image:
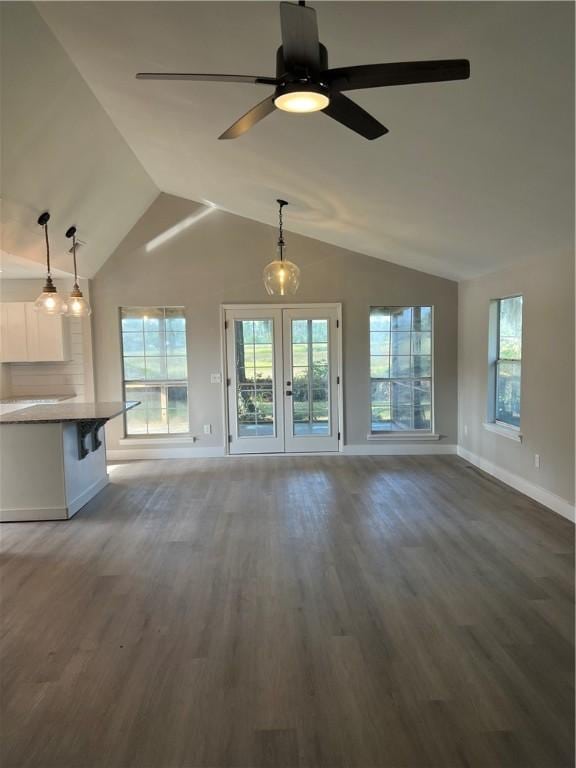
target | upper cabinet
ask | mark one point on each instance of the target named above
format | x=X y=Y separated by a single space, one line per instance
x=27 y=336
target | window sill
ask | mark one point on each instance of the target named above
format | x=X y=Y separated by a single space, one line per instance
x=158 y=440
x=509 y=432
x=404 y=436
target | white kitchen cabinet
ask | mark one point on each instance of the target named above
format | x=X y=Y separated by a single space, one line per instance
x=27 y=336
x=13 y=342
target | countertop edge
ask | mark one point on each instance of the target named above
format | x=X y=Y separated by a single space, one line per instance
x=70 y=413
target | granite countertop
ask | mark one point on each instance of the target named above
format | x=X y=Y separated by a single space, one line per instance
x=67 y=412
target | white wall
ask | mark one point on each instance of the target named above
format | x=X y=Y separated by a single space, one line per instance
x=218 y=260
x=74 y=377
x=547 y=411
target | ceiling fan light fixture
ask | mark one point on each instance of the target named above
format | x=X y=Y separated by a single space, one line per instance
x=302 y=101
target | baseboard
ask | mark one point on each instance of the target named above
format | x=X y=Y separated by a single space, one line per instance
x=33 y=515
x=77 y=503
x=173 y=452
x=395 y=449
x=541 y=495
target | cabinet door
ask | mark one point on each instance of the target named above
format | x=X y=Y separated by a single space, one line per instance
x=47 y=336
x=13 y=338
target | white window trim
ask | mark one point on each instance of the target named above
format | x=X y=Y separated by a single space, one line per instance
x=504 y=430
x=183 y=437
x=413 y=437
x=492 y=424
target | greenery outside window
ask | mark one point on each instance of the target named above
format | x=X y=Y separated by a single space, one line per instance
x=155 y=369
x=506 y=367
x=401 y=369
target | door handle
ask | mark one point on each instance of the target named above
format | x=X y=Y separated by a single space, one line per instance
x=288 y=393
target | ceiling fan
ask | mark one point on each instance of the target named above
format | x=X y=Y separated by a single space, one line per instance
x=303 y=82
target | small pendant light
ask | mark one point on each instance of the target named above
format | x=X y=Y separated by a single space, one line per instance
x=77 y=304
x=50 y=302
x=281 y=277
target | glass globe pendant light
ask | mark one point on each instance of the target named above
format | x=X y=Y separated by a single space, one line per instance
x=281 y=277
x=77 y=304
x=50 y=302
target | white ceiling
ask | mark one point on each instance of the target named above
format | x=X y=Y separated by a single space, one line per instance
x=60 y=153
x=472 y=176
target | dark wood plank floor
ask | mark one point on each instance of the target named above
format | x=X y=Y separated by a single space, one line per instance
x=391 y=612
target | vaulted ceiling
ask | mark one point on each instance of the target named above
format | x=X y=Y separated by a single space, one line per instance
x=472 y=176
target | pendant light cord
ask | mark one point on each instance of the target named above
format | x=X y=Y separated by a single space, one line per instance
x=47 y=249
x=281 y=204
x=74 y=257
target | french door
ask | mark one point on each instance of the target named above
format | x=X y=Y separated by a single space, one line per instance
x=282 y=379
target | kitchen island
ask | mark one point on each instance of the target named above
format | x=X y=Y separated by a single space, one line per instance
x=53 y=458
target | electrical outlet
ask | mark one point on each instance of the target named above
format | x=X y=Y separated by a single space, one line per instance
x=215 y=378
x=537 y=460
x=207 y=429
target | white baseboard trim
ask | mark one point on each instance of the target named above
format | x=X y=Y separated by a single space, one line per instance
x=386 y=449
x=536 y=492
x=31 y=515
x=398 y=449
x=77 y=503
x=135 y=454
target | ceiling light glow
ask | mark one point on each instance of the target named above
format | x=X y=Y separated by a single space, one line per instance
x=302 y=101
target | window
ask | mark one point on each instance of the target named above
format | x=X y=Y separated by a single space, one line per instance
x=505 y=375
x=155 y=369
x=401 y=369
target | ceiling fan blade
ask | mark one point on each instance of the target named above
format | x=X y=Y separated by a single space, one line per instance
x=300 y=44
x=249 y=120
x=400 y=73
x=347 y=112
x=207 y=78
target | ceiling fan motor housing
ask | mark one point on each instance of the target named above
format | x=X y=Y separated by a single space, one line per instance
x=283 y=73
x=299 y=80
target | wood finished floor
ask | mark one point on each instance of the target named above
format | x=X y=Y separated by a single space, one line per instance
x=390 y=612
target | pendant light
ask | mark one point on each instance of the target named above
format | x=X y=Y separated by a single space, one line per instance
x=50 y=302
x=77 y=304
x=281 y=277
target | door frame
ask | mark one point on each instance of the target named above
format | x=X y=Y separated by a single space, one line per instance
x=226 y=374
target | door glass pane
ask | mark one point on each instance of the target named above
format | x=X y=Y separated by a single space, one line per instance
x=310 y=378
x=254 y=355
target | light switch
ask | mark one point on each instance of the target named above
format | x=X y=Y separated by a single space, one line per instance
x=215 y=378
